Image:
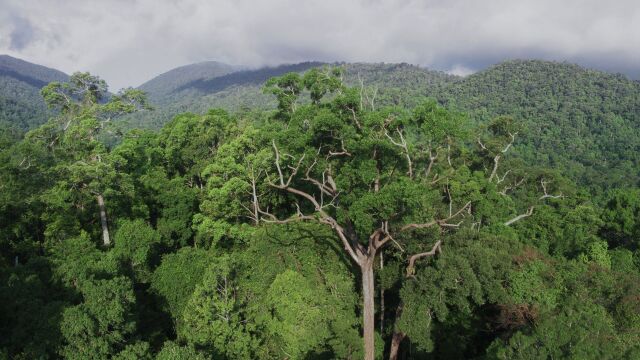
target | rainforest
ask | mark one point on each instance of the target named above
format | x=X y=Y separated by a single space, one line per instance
x=321 y=211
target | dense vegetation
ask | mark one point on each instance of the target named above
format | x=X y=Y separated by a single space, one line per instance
x=199 y=87
x=583 y=121
x=338 y=225
x=21 y=106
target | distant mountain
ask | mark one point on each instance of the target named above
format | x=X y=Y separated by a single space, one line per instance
x=583 y=121
x=21 y=105
x=162 y=87
x=199 y=87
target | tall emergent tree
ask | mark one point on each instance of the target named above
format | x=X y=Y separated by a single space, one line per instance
x=377 y=178
x=85 y=107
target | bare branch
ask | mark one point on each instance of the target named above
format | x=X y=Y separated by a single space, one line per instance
x=378 y=241
x=294 y=170
x=441 y=222
x=501 y=179
x=355 y=118
x=26 y=159
x=402 y=144
x=546 y=194
x=450 y=201
x=449 y=151
x=326 y=186
x=342 y=152
x=432 y=159
x=513 y=139
x=482 y=145
x=496 y=161
x=520 y=217
x=511 y=187
x=413 y=258
x=254 y=197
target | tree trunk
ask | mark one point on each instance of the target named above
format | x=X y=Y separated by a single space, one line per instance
x=369 y=308
x=381 y=296
x=106 y=241
x=398 y=335
x=395 y=345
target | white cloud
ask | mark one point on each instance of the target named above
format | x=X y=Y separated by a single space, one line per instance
x=460 y=70
x=130 y=41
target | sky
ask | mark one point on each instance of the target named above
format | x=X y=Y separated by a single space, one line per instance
x=128 y=42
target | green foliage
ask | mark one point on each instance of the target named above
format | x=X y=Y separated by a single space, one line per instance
x=173 y=351
x=21 y=106
x=99 y=326
x=470 y=273
x=621 y=216
x=32 y=308
x=293 y=286
x=176 y=279
x=530 y=285
x=213 y=318
x=200 y=87
x=136 y=246
x=583 y=121
x=211 y=255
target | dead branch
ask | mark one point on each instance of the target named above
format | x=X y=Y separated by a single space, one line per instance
x=402 y=144
x=339 y=153
x=443 y=223
x=440 y=222
x=326 y=186
x=294 y=169
x=496 y=159
x=511 y=187
x=546 y=195
x=501 y=179
x=432 y=159
x=519 y=217
x=413 y=258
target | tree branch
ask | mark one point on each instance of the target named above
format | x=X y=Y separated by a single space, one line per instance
x=519 y=217
x=441 y=222
x=546 y=194
x=402 y=144
x=413 y=258
x=327 y=186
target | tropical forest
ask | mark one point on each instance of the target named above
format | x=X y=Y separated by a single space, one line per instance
x=325 y=211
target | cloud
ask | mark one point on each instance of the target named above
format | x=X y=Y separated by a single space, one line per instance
x=21 y=35
x=460 y=70
x=130 y=41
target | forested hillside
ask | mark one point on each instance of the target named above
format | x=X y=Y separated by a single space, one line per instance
x=165 y=87
x=583 y=121
x=199 y=87
x=345 y=223
x=21 y=106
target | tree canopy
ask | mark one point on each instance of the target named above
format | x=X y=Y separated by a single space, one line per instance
x=337 y=225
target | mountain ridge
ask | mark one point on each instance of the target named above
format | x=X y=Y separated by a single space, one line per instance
x=585 y=121
x=21 y=106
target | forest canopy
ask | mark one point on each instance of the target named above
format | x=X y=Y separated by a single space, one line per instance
x=339 y=225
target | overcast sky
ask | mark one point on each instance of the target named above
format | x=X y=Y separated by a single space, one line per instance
x=128 y=42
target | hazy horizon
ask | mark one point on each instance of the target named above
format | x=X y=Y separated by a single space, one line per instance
x=130 y=42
